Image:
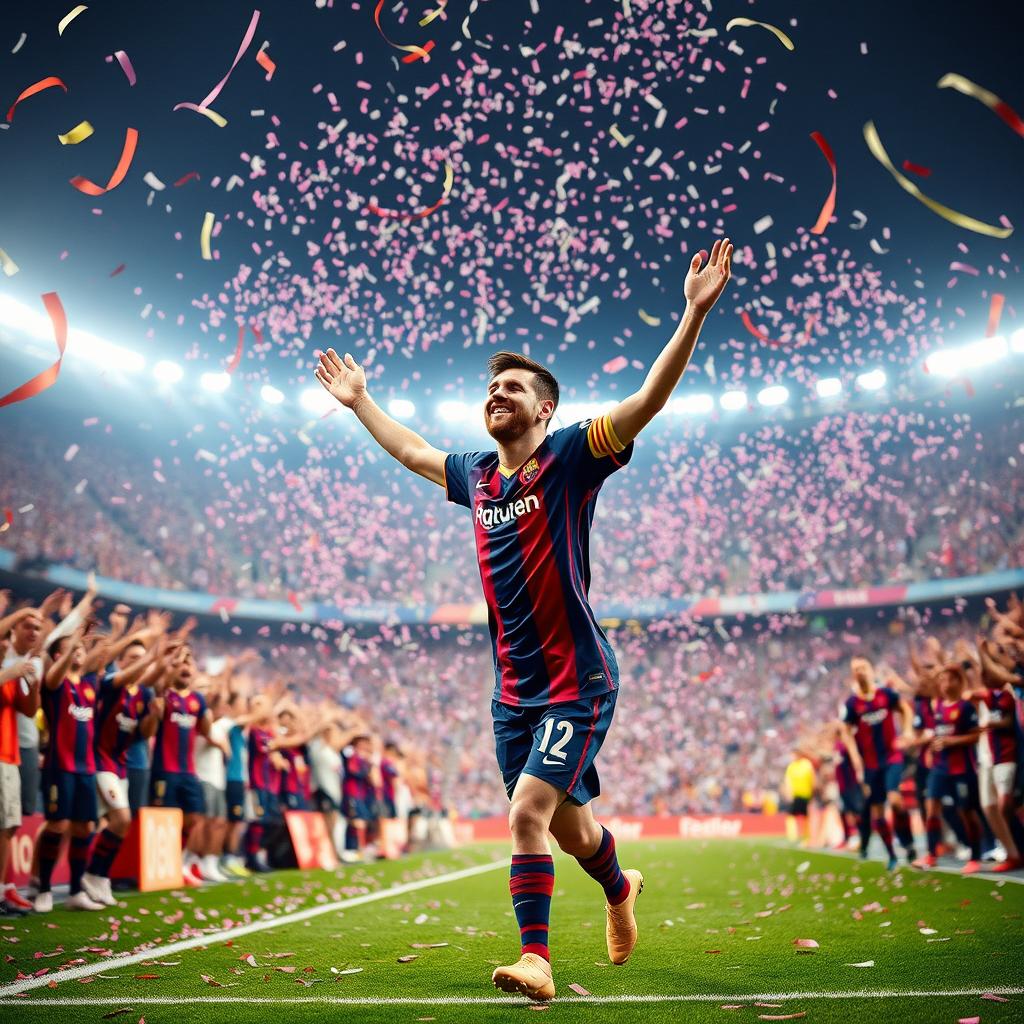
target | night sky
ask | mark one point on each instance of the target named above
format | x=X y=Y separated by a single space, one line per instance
x=181 y=50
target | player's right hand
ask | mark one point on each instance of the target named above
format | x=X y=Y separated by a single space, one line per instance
x=344 y=379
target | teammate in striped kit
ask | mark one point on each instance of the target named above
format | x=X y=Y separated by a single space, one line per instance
x=532 y=503
x=870 y=715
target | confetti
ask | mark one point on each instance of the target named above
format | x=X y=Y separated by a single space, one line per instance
x=436 y=13
x=212 y=115
x=89 y=188
x=52 y=82
x=578 y=989
x=123 y=59
x=959 y=219
x=414 y=52
x=863 y=963
x=449 y=178
x=244 y=45
x=749 y=23
x=651 y=321
x=204 y=236
x=9 y=266
x=830 y=202
x=995 y=312
x=20 y=43
x=70 y=17
x=990 y=99
x=48 y=377
x=266 y=62
x=78 y=134
x=912 y=168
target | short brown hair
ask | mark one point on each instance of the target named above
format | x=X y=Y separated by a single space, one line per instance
x=544 y=382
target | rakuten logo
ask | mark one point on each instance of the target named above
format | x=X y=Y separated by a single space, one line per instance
x=80 y=714
x=709 y=828
x=489 y=517
x=182 y=720
x=875 y=717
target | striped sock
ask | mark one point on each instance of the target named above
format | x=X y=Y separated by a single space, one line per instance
x=104 y=853
x=885 y=834
x=49 y=851
x=603 y=867
x=531 y=883
x=973 y=829
x=934 y=828
x=78 y=855
x=253 y=839
x=905 y=834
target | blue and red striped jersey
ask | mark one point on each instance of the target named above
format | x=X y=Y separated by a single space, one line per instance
x=295 y=779
x=955 y=718
x=356 y=784
x=874 y=726
x=388 y=775
x=1001 y=734
x=174 y=750
x=846 y=777
x=262 y=774
x=118 y=713
x=924 y=719
x=532 y=529
x=70 y=711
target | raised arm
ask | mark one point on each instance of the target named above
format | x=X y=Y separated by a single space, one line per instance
x=702 y=288
x=346 y=381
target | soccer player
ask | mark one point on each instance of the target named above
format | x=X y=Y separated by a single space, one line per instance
x=532 y=502
x=122 y=706
x=358 y=796
x=181 y=714
x=69 y=776
x=849 y=771
x=798 y=788
x=998 y=754
x=19 y=694
x=870 y=715
x=265 y=766
x=212 y=752
x=953 y=775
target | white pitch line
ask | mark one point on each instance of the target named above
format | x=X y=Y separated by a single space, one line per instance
x=264 y=924
x=691 y=997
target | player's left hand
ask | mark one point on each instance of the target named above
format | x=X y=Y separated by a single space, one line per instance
x=705 y=283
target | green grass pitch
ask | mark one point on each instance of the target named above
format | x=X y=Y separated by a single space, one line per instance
x=717 y=921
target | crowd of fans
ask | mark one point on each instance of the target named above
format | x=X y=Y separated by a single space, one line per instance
x=781 y=508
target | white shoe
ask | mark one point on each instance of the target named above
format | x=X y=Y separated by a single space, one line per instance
x=210 y=871
x=963 y=853
x=97 y=888
x=43 y=902
x=81 y=901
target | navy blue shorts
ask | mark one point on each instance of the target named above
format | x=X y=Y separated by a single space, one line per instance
x=852 y=800
x=960 y=791
x=266 y=806
x=883 y=781
x=557 y=743
x=359 y=809
x=293 y=802
x=325 y=803
x=177 y=789
x=69 y=796
x=235 y=796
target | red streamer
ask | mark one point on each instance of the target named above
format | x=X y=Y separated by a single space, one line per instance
x=90 y=188
x=266 y=62
x=995 y=312
x=188 y=177
x=237 y=357
x=48 y=377
x=118 y=270
x=912 y=168
x=415 y=52
x=830 y=202
x=44 y=83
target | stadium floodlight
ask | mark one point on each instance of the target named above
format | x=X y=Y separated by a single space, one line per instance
x=872 y=380
x=734 y=400
x=167 y=372
x=271 y=395
x=317 y=401
x=774 y=394
x=401 y=408
x=215 y=382
x=953 y=362
x=452 y=411
x=828 y=387
x=692 y=405
x=1017 y=340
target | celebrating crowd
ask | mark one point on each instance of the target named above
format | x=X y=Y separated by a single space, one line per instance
x=98 y=720
x=948 y=734
x=833 y=505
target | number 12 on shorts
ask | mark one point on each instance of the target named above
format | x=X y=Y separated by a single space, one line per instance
x=556 y=755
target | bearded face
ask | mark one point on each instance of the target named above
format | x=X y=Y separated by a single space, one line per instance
x=512 y=406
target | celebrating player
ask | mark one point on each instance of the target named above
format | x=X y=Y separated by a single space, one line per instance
x=533 y=504
x=870 y=716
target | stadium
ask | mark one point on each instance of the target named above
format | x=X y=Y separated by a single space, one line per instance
x=511 y=507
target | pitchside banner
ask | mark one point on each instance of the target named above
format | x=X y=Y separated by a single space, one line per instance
x=684 y=826
x=311 y=840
